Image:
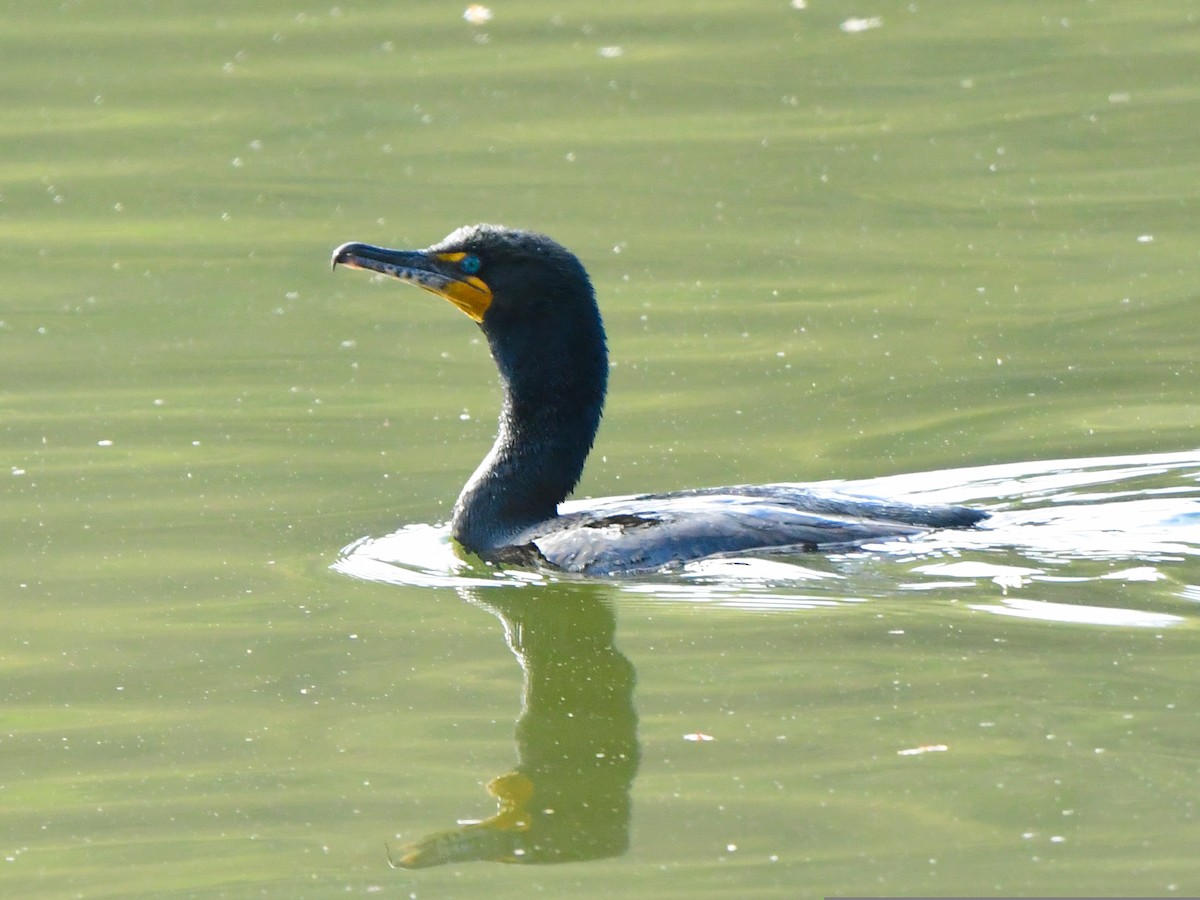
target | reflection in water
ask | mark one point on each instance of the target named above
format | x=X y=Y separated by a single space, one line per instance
x=1105 y=543
x=568 y=797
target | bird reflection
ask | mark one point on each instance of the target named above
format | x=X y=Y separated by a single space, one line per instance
x=567 y=799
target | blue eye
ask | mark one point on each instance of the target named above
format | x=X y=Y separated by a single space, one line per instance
x=470 y=264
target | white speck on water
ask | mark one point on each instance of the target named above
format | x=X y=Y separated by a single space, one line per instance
x=611 y=52
x=477 y=14
x=924 y=748
x=1145 y=239
x=104 y=443
x=857 y=26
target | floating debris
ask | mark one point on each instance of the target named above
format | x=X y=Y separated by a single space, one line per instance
x=924 y=748
x=854 y=26
x=477 y=14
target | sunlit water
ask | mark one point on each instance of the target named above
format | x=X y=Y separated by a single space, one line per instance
x=1127 y=519
x=964 y=235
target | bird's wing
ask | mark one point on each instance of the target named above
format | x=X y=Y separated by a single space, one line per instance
x=646 y=533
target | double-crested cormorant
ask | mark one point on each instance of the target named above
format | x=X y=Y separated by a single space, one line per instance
x=535 y=304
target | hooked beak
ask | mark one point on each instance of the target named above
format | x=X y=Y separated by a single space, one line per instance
x=437 y=273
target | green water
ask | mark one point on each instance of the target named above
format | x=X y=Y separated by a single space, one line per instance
x=965 y=237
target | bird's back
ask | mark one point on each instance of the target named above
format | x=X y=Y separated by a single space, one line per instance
x=622 y=535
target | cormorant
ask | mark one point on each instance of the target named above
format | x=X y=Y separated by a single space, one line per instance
x=535 y=304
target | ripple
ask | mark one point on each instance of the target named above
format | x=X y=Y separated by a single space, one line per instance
x=1131 y=523
x=1080 y=614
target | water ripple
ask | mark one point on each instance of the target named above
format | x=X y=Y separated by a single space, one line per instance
x=1122 y=531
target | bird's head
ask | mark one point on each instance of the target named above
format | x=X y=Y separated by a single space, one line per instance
x=529 y=294
x=497 y=276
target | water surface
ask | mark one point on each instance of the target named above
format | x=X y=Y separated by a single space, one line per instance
x=958 y=242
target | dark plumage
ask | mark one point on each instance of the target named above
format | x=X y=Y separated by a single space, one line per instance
x=534 y=302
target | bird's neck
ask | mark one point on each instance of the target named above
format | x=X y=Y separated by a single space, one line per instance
x=545 y=433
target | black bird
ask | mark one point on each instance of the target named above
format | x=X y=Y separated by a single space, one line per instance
x=535 y=304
